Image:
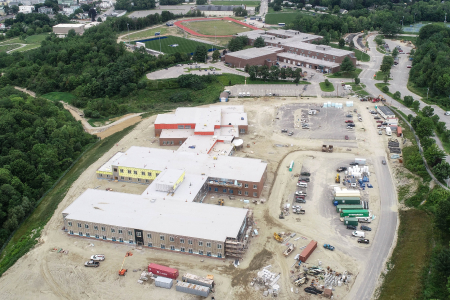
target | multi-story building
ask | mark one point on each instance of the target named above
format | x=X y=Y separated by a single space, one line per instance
x=291 y=47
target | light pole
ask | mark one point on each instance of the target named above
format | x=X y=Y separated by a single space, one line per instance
x=159 y=38
x=215 y=36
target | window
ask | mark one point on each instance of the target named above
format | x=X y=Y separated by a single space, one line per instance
x=139 y=180
x=107 y=176
x=190 y=251
x=172 y=248
x=121 y=240
x=208 y=245
x=246 y=193
x=219 y=255
x=121 y=177
x=149 y=235
x=147 y=181
x=200 y=252
x=149 y=173
x=150 y=244
x=135 y=172
x=190 y=242
x=101 y=175
x=71 y=232
x=242 y=130
x=171 y=142
x=130 y=179
x=239 y=192
x=161 y=237
x=182 y=249
x=224 y=190
x=187 y=126
x=255 y=194
x=129 y=171
x=180 y=126
x=130 y=232
x=171 y=239
x=115 y=169
x=138 y=234
x=181 y=142
x=96 y=236
x=208 y=253
x=80 y=233
x=103 y=228
x=130 y=241
x=216 y=189
x=120 y=231
x=69 y=223
x=142 y=173
x=104 y=237
x=113 y=239
x=164 y=142
x=163 y=246
x=200 y=243
x=231 y=191
x=113 y=230
x=121 y=170
x=79 y=225
x=255 y=186
x=181 y=241
x=246 y=185
x=219 y=246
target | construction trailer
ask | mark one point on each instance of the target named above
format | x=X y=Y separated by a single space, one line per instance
x=354 y=213
x=190 y=278
x=351 y=221
x=347 y=198
x=351 y=201
x=192 y=289
x=341 y=207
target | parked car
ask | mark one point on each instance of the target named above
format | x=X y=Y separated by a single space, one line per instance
x=353 y=227
x=379 y=122
x=364 y=241
x=98 y=257
x=349 y=121
x=380 y=132
x=299 y=193
x=300 y=200
x=91 y=263
x=376 y=118
x=305 y=174
x=354 y=164
x=366 y=228
x=349 y=116
x=329 y=247
x=305 y=179
x=291 y=133
x=283 y=130
x=341 y=169
x=383 y=162
x=351 y=125
x=408 y=66
x=346 y=137
x=359 y=234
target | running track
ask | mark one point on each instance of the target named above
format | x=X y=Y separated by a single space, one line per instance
x=179 y=24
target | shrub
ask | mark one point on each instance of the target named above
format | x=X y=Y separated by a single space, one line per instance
x=385 y=89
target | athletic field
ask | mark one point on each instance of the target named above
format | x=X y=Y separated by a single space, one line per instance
x=222 y=27
x=172 y=44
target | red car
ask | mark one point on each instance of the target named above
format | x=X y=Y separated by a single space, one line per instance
x=379 y=121
x=409 y=67
x=346 y=137
x=349 y=121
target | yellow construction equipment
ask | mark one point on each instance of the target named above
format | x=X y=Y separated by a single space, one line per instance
x=338 y=178
x=220 y=202
x=277 y=237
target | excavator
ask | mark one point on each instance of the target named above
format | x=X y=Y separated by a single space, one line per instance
x=277 y=237
x=338 y=179
x=122 y=270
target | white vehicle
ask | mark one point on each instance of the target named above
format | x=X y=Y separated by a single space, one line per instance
x=298 y=193
x=388 y=131
x=302 y=184
x=98 y=257
x=447 y=113
x=358 y=233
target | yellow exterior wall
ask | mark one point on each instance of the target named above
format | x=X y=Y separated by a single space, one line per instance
x=139 y=173
x=104 y=172
x=179 y=181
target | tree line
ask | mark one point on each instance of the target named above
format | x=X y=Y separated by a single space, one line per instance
x=39 y=139
x=273 y=73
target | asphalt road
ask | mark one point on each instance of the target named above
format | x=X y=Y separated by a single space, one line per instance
x=375 y=259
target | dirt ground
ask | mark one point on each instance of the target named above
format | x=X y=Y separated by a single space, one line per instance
x=43 y=274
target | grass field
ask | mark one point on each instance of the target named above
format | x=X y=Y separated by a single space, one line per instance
x=283 y=17
x=184 y=45
x=28 y=233
x=221 y=27
x=411 y=255
x=59 y=96
x=145 y=34
x=326 y=88
x=358 y=88
x=380 y=76
x=345 y=75
x=247 y=3
x=5 y=48
x=33 y=41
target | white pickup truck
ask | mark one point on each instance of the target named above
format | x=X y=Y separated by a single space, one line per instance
x=98 y=257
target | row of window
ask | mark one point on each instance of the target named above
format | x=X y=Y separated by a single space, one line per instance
x=182 y=249
x=216 y=189
x=171 y=142
x=136 y=172
x=138 y=179
x=184 y=126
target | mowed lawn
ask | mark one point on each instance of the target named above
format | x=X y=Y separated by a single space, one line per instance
x=282 y=17
x=145 y=34
x=247 y=3
x=184 y=45
x=222 y=27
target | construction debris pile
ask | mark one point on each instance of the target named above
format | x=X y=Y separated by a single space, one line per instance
x=268 y=281
x=394 y=146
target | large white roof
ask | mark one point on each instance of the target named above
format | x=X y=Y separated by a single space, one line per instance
x=227 y=167
x=190 y=219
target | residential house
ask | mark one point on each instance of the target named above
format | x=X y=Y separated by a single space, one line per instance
x=26 y=9
x=45 y=10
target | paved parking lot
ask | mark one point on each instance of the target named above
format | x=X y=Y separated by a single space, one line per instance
x=282 y=90
x=328 y=123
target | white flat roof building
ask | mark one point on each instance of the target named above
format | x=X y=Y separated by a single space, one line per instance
x=190 y=219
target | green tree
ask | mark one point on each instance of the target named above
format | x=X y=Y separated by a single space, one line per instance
x=357 y=80
x=425 y=127
x=408 y=100
x=341 y=43
x=277 y=7
x=347 y=65
x=327 y=83
x=201 y=2
x=239 y=11
x=200 y=54
x=99 y=19
x=351 y=44
x=434 y=155
x=259 y=42
x=397 y=95
x=385 y=89
x=442 y=170
x=391 y=28
x=395 y=52
x=216 y=55
x=427 y=111
x=386 y=79
x=416 y=105
x=440 y=127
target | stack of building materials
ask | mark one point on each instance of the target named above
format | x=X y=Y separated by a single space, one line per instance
x=192 y=289
x=164 y=282
x=358 y=171
x=344 y=196
x=394 y=146
x=190 y=278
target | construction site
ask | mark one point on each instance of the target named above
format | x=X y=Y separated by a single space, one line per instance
x=290 y=240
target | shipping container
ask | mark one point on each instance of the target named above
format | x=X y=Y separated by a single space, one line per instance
x=351 y=221
x=355 y=213
x=347 y=198
x=341 y=207
x=190 y=278
x=308 y=251
x=164 y=282
x=163 y=271
x=347 y=201
x=192 y=289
